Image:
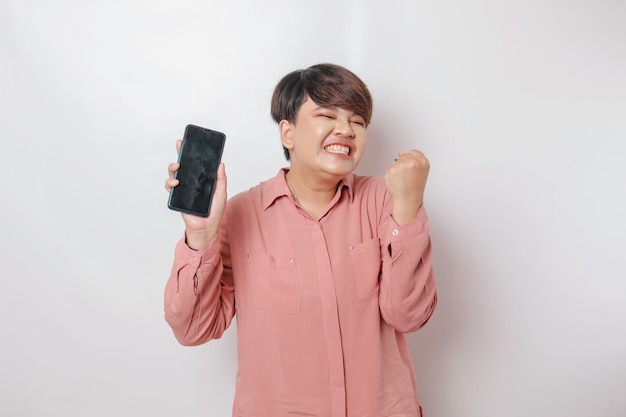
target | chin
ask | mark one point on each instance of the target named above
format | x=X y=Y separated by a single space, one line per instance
x=342 y=171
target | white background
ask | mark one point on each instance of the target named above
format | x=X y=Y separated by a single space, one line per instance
x=520 y=106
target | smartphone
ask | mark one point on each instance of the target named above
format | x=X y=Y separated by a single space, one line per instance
x=199 y=157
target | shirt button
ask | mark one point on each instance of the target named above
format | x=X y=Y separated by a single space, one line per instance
x=395 y=232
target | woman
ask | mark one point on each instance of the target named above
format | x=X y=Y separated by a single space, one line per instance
x=324 y=269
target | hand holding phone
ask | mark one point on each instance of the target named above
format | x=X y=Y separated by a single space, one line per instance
x=199 y=159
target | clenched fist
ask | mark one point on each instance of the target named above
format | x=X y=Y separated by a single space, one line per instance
x=406 y=180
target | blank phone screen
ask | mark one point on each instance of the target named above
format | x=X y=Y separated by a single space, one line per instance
x=200 y=156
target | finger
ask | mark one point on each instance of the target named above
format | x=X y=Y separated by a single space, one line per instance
x=410 y=153
x=172 y=168
x=413 y=156
x=402 y=156
x=171 y=183
x=417 y=154
x=178 y=143
x=221 y=175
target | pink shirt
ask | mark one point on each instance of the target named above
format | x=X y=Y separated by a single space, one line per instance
x=321 y=305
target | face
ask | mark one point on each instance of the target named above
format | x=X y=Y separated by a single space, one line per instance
x=326 y=141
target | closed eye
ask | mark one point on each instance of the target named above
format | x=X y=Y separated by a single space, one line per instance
x=359 y=123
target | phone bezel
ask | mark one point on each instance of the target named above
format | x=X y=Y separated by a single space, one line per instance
x=219 y=151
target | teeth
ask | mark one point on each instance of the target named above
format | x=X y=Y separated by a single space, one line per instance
x=338 y=149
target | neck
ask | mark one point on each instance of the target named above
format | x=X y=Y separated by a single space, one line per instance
x=311 y=195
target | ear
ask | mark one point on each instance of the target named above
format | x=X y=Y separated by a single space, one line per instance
x=286 y=132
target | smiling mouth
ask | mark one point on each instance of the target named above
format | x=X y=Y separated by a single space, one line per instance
x=338 y=149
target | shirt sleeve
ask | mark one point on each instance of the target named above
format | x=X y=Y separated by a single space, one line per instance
x=199 y=294
x=408 y=291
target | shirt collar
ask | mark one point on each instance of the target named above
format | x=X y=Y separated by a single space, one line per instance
x=277 y=187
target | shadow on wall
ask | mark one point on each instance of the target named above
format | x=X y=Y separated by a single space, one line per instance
x=435 y=348
x=442 y=343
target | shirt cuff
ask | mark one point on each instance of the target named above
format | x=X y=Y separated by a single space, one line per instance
x=418 y=225
x=184 y=255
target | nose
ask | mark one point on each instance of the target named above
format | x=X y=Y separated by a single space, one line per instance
x=344 y=127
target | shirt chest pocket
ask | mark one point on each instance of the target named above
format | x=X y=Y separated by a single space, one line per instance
x=274 y=283
x=366 y=266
